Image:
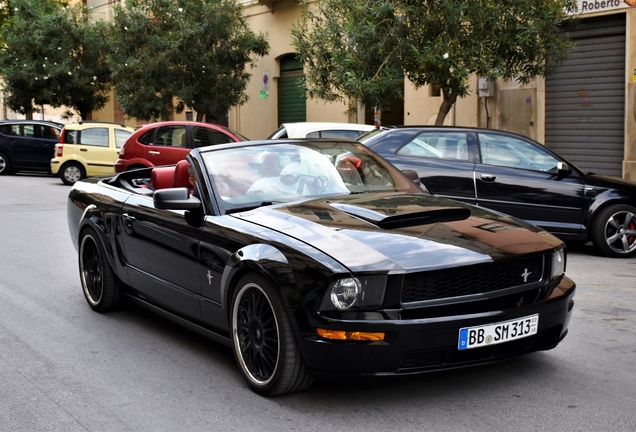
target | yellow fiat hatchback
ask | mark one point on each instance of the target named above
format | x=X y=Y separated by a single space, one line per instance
x=87 y=149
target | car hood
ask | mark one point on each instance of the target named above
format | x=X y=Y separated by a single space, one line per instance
x=610 y=182
x=402 y=232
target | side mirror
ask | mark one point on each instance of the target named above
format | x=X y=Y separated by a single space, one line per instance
x=412 y=175
x=563 y=168
x=175 y=199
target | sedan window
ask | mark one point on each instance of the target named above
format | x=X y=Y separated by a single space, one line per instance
x=349 y=134
x=512 y=152
x=441 y=145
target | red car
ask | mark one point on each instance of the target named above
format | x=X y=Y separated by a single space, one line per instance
x=166 y=143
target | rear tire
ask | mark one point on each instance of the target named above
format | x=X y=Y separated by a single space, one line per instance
x=5 y=165
x=614 y=231
x=72 y=172
x=99 y=283
x=264 y=343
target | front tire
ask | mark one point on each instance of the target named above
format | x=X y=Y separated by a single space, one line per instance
x=99 y=283
x=72 y=172
x=264 y=343
x=614 y=231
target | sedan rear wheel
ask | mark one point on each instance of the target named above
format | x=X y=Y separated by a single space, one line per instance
x=72 y=172
x=614 y=231
x=264 y=343
x=5 y=165
x=98 y=280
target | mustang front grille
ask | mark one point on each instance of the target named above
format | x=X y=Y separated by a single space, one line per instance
x=476 y=279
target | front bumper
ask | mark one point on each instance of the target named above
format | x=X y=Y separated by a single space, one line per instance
x=428 y=344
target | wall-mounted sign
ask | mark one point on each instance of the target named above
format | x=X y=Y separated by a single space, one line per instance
x=265 y=80
x=590 y=6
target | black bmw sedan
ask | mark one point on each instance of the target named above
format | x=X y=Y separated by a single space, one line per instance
x=515 y=175
x=315 y=258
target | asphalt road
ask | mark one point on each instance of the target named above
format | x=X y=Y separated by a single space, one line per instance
x=66 y=368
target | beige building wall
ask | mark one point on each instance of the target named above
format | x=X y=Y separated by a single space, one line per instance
x=258 y=118
x=512 y=107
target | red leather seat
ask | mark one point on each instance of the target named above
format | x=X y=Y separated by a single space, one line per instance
x=181 y=177
x=161 y=177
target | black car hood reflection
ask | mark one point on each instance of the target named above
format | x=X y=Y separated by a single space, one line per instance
x=438 y=233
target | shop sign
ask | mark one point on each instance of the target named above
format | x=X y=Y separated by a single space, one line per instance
x=591 y=6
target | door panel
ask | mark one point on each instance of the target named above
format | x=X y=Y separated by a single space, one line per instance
x=169 y=147
x=161 y=251
x=520 y=178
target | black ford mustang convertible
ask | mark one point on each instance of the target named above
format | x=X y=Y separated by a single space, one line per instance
x=318 y=258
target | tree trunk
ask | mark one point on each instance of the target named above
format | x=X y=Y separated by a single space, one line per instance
x=445 y=107
x=28 y=115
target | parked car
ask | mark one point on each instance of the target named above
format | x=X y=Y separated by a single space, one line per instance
x=87 y=149
x=314 y=258
x=513 y=174
x=321 y=130
x=166 y=143
x=27 y=145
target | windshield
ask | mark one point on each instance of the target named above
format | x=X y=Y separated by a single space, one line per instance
x=365 y=136
x=257 y=175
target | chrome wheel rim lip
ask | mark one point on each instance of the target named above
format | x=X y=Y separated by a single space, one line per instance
x=91 y=271
x=620 y=232
x=239 y=337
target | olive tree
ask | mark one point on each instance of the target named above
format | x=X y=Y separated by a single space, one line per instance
x=194 y=52
x=54 y=55
x=358 y=50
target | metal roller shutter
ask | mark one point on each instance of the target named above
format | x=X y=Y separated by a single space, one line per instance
x=585 y=98
x=292 y=106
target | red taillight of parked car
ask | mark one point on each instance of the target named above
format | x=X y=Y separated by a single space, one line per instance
x=60 y=150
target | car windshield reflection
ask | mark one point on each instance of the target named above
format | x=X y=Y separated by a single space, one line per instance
x=251 y=176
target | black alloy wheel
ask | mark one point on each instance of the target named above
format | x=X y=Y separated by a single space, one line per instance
x=5 y=165
x=614 y=231
x=264 y=344
x=98 y=280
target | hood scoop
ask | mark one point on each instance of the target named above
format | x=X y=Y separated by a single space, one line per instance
x=394 y=218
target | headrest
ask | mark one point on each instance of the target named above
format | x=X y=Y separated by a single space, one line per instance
x=181 y=176
x=161 y=177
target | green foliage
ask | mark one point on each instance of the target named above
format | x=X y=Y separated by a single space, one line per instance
x=54 y=55
x=355 y=50
x=196 y=51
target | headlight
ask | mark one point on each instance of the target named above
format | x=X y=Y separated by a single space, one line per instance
x=364 y=292
x=558 y=263
x=345 y=292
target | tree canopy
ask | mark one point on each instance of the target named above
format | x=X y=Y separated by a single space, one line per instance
x=197 y=51
x=54 y=55
x=357 y=51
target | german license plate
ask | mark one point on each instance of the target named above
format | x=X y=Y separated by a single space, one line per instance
x=492 y=334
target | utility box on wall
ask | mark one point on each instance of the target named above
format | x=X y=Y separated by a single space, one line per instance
x=486 y=88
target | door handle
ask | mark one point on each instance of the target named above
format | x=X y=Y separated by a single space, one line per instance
x=153 y=152
x=488 y=177
x=83 y=149
x=128 y=218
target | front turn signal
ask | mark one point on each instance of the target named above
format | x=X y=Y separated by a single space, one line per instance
x=349 y=335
